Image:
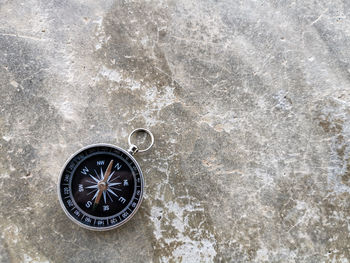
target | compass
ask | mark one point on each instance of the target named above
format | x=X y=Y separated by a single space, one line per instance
x=101 y=186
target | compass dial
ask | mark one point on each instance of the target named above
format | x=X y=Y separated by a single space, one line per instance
x=101 y=187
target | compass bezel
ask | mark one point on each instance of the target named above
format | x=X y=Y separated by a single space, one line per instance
x=100 y=228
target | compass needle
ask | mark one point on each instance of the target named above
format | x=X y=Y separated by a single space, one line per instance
x=97 y=192
x=102 y=186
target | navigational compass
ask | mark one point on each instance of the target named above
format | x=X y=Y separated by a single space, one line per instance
x=101 y=185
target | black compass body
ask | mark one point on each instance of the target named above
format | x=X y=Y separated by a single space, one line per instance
x=101 y=187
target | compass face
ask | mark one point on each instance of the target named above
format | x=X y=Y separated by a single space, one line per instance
x=101 y=187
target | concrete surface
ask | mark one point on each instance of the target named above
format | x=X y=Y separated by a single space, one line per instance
x=249 y=102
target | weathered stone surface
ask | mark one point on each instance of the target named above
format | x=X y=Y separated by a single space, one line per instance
x=249 y=102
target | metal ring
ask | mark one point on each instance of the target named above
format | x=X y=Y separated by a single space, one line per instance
x=141 y=130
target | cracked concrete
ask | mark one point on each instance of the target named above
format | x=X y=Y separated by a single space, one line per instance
x=249 y=103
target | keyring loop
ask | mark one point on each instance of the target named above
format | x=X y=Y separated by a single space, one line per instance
x=133 y=148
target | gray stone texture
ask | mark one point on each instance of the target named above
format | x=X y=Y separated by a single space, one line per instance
x=249 y=103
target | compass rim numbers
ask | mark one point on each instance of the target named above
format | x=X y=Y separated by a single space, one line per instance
x=83 y=218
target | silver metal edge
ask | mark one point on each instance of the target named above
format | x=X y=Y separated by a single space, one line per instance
x=92 y=227
x=147 y=132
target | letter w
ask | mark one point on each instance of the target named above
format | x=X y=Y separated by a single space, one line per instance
x=85 y=170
